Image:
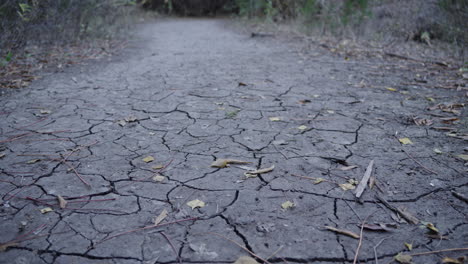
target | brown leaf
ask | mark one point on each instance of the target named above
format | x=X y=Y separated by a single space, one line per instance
x=460 y=260
x=5 y=246
x=422 y=121
x=222 y=163
x=343 y=232
x=62 y=202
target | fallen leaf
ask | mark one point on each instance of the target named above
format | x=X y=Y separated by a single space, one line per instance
x=45 y=112
x=130 y=119
x=405 y=141
x=347 y=186
x=431 y=227
x=287 y=205
x=280 y=142
x=275 y=118
x=158 y=167
x=46 y=210
x=222 y=163
x=391 y=89
x=2 y=155
x=347 y=168
x=261 y=171
x=33 y=161
x=404 y=92
x=343 y=232
x=305 y=101
x=319 y=180
x=330 y=111
x=409 y=246
x=160 y=217
x=463 y=156
x=460 y=260
x=121 y=122
x=158 y=178
x=302 y=127
x=404 y=259
x=5 y=246
x=376 y=227
x=245 y=260
x=62 y=202
x=196 y=204
x=430 y=99
x=438 y=151
x=449 y=120
x=148 y=159
x=422 y=121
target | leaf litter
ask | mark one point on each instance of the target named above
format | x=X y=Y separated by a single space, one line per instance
x=223 y=163
x=160 y=217
x=343 y=232
x=196 y=204
x=254 y=173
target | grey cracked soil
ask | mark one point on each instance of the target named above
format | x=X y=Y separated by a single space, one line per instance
x=189 y=91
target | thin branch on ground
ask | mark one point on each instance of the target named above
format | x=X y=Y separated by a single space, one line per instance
x=360 y=238
x=438 y=251
x=239 y=245
x=375 y=249
x=172 y=246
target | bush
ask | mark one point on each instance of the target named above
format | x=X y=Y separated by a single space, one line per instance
x=24 y=22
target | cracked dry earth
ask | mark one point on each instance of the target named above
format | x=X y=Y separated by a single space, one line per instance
x=189 y=91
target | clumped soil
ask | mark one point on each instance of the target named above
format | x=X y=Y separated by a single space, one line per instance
x=90 y=156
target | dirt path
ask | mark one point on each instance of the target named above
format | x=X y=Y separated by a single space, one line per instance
x=191 y=91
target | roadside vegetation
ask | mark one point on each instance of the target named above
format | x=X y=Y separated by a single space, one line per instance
x=35 y=34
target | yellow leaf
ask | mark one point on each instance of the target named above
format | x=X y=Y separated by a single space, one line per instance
x=430 y=99
x=46 y=210
x=405 y=141
x=158 y=178
x=287 y=205
x=148 y=159
x=391 y=89
x=196 y=204
x=302 y=127
x=45 y=112
x=245 y=260
x=158 y=167
x=319 y=180
x=463 y=157
x=33 y=161
x=409 y=246
x=452 y=261
x=404 y=259
x=275 y=118
x=160 y=217
x=62 y=202
x=347 y=186
x=261 y=171
x=431 y=227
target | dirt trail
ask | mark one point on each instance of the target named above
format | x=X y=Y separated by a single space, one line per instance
x=189 y=91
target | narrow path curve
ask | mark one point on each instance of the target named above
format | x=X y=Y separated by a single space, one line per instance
x=189 y=91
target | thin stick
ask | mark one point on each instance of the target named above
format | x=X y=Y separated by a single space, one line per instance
x=438 y=251
x=360 y=239
x=172 y=246
x=362 y=185
x=77 y=174
x=239 y=245
x=375 y=249
x=274 y=253
x=145 y=228
x=419 y=163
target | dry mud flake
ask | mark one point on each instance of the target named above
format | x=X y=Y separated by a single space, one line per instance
x=245 y=260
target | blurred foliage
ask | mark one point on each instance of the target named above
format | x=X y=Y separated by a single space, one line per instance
x=37 y=22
